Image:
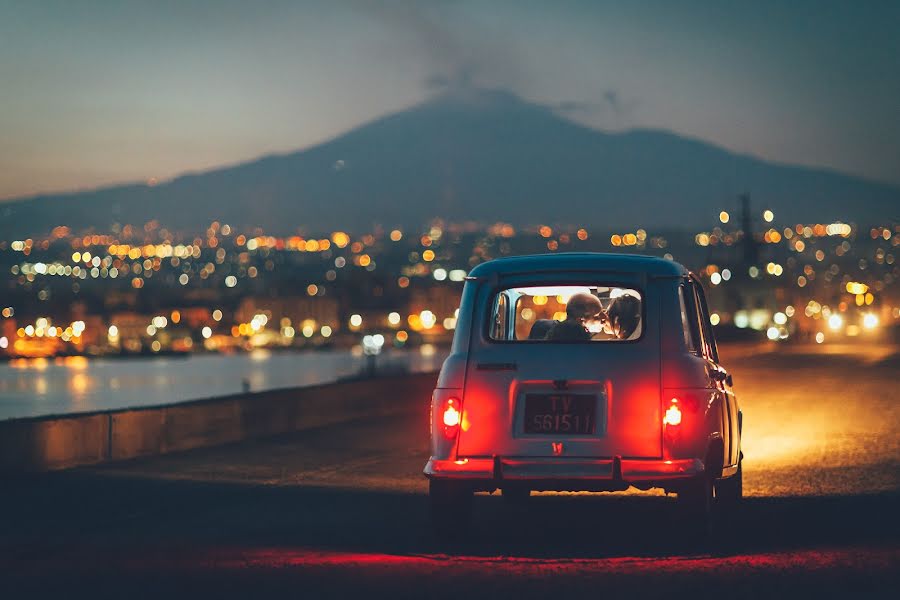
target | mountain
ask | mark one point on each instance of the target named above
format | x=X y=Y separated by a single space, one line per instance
x=474 y=155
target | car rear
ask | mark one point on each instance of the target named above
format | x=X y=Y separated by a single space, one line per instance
x=554 y=414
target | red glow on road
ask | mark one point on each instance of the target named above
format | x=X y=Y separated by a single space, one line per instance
x=806 y=560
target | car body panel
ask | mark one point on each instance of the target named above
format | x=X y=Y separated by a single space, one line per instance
x=500 y=375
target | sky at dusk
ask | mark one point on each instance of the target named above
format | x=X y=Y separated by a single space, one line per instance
x=95 y=92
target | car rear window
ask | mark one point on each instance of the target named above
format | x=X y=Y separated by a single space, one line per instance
x=567 y=313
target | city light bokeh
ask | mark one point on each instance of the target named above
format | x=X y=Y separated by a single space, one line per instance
x=149 y=290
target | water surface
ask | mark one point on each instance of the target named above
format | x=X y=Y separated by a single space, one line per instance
x=36 y=387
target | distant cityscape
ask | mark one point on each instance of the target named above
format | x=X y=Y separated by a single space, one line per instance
x=144 y=289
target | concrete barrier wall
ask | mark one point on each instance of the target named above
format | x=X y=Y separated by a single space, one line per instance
x=48 y=443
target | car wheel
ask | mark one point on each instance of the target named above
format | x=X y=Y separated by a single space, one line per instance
x=695 y=503
x=451 y=508
x=726 y=525
x=729 y=491
x=516 y=496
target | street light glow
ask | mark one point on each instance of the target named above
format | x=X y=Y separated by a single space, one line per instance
x=870 y=321
x=835 y=322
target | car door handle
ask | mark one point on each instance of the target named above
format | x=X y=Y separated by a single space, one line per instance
x=717 y=374
x=496 y=366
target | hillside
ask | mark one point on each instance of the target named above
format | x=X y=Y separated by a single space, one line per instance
x=479 y=155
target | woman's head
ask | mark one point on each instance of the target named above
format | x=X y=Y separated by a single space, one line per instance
x=624 y=314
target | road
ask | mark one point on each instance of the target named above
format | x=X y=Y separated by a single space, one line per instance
x=342 y=511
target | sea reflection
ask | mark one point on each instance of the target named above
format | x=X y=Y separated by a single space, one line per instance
x=73 y=362
x=78 y=384
x=37 y=364
x=259 y=354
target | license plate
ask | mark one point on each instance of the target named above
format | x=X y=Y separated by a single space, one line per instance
x=571 y=414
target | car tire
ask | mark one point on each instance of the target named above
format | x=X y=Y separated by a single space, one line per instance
x=450 y=504
x=696 y=499
x=727 y=522
x=730 y=490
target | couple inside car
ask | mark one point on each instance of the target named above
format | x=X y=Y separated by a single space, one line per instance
x=586 y=319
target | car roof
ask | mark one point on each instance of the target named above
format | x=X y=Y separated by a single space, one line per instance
x=581 y=261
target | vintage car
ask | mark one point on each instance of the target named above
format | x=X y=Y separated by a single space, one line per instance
x=588 y=372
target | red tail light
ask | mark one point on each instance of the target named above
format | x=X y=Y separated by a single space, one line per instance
x=451 y=417
x=673 y=414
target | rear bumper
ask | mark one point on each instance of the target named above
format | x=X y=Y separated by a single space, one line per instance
x=567 y=473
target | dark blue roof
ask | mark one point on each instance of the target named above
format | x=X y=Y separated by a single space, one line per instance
x=575 y=261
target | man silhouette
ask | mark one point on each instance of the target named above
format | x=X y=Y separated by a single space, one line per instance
x=581 y=309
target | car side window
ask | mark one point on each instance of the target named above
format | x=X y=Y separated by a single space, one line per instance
x=499 y=325
x=700 y=319
x=687 y=327
x=696 y=318
x=708 y=339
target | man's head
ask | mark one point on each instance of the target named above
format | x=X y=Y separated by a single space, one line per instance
x=624 y=314
x=583 y=306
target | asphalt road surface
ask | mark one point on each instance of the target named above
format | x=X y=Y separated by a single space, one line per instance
x=341 y=511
